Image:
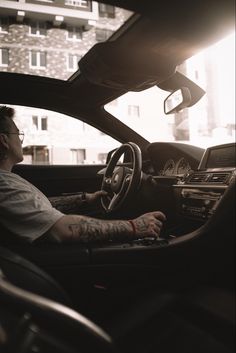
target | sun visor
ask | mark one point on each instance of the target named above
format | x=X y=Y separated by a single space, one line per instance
x=108 y=64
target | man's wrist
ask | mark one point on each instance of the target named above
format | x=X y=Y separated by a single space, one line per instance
x=81 y=198
x=134 y=230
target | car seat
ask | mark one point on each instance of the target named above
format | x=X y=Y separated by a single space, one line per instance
x=41 y=322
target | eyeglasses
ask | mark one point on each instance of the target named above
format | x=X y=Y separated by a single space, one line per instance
x=21 y=134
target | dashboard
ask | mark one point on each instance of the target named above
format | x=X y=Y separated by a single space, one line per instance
x=174 y=159
x=198 y=178
x=199 y=192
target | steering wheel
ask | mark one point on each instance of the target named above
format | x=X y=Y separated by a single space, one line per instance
x=120 y=182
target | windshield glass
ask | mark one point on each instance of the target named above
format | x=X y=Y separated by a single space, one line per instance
x=209 y=122
x=48 y=38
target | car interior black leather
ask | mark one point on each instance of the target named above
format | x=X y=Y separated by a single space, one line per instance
x=35 y=316
x=26 y=275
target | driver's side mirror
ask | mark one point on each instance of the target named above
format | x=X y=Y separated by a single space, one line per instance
x=177 y=100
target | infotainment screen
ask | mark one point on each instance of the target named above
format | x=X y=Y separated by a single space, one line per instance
x=222 y=156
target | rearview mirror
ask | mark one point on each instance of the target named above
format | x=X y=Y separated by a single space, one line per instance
x=177 y=100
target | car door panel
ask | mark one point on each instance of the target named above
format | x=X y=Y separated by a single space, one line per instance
x=59 y=179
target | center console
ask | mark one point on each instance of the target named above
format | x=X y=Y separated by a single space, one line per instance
x=200 y=192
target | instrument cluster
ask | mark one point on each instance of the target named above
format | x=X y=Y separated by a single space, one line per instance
x=179 y=167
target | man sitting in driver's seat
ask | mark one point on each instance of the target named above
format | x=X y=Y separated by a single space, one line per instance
x=27 y=213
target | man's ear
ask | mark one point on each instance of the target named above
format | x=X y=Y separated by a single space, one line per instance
x=4 y=141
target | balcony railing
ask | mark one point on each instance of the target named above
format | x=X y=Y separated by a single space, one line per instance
x=78 y=3
x=84 y=5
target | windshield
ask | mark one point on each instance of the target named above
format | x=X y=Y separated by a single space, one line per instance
x=48 y=38
x=209 y=122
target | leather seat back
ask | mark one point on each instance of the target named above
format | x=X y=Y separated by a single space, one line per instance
x=28 y=276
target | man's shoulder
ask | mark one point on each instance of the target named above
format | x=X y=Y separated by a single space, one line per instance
x=11 y=179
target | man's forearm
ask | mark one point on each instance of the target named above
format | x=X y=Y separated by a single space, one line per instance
x=67 y=204
x=87 y=229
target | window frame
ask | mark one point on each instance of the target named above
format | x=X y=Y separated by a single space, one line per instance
x=134 y=110
x=39 y=26
x=1 y=57
x=74 y=31
x=75 y=154
x=37 y=122
x=38 y=59
x=2 y=24
x=104 y=34
x=106 y=10
x=75 y=62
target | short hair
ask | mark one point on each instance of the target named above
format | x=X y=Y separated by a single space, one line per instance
x=6 y=113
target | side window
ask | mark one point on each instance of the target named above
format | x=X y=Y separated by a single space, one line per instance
x=53 y=138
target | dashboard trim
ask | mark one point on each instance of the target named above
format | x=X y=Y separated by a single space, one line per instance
x=206 y=186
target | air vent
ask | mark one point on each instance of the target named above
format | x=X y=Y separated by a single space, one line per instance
x=198 y=178
x=218 y=178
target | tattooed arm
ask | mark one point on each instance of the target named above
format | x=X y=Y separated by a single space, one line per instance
x=69 y=204
x=86 y=229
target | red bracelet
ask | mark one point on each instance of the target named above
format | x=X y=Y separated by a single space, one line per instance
x=133 y=227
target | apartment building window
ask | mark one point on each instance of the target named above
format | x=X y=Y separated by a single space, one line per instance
x=133 y=110
x=74 y=33
x=72 y=62
x=78 y=156
x=37 y=60
x=36 y=154
x=4 y=24
x=102 y=34
x=106 y=10
x=40 y=155
x=77 y=3
x=102 y=157
x=40 y=123
x=44 y=123
x=4 y=57
x=38 y=29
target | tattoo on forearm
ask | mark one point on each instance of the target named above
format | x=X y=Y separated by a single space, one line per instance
x=67 y=204
x=87 y=229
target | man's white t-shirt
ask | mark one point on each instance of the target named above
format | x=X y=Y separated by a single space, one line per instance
x=24 y=209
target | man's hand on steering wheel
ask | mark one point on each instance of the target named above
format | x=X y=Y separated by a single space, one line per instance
x=95 y=197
